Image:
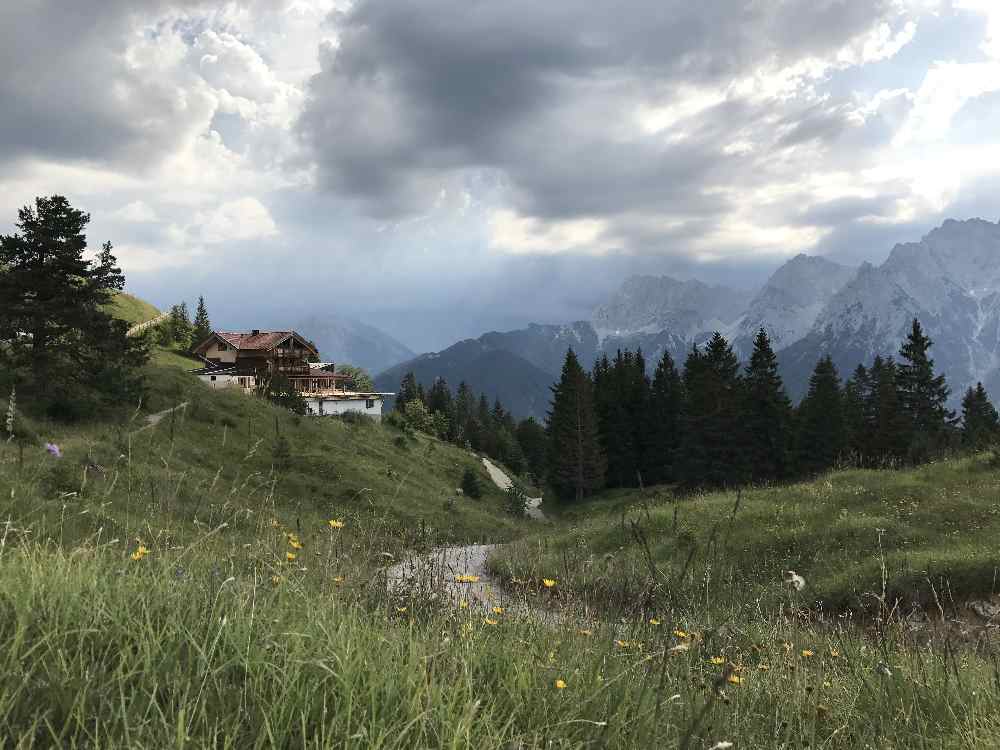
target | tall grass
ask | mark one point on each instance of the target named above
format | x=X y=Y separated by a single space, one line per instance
x=213 y=637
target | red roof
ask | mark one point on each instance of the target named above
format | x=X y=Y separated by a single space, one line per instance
x=257 y=340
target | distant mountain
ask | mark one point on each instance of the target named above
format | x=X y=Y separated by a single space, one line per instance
x=789 y=303
x=652 y=304
x=810 y=306
x=344 y=339
x=521 y=386
x=950 y=281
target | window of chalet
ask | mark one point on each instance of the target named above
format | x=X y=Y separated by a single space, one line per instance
x=370 y=403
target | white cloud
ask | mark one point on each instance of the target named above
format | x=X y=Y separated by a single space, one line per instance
x=517 y=234
x=136 y=211
x=242 y=219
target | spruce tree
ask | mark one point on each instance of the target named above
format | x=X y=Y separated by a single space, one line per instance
x=923 y=395
x=857 y=426
x=980 y=422
x=180 y=325
x=576 y=463
x=821 y=432
x=202 y=324
x=531 y=437
x=714 y=447
x=465 y=404
x=889 y=429
x=408 y=391
x=52 y=319
x=662 y=423
x=766 y=414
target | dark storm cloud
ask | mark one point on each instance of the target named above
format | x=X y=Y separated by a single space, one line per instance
x=66 y=90
x=545 y=93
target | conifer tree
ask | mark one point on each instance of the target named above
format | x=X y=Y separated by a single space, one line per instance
x=662 y=423
x=576 y=463
x=857 y=426
x=408 y=391
x=980 y=422
x=531 y=437
x=821 y=432
x=714 y=446
x=766 y=414
x=52 y=318
x=179 y=325
x=922 y=394
x=465 y=404
x=890 y=433
x=202 y=325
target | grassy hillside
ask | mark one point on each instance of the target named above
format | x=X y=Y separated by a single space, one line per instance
x=147 y=600
x=917 y=536
x=131 y=309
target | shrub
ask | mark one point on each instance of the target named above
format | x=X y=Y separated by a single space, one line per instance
x=470 y=483
x=517 y=500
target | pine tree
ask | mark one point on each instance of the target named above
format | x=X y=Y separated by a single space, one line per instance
x=180 y=326
x=408 y=391
x=858 y=428
x=714 y=445
x=52 y=319
x=766 y=414
x=662 y=423
x=821 y=436
x=923 y=395
x=465 y=404
x=531 y=437
x=202 y=325
x=980 y=422
x=888 y=425
x=576 y=463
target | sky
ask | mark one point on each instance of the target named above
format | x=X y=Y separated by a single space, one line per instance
x=445 y=167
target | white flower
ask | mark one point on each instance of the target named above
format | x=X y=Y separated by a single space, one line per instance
x=724 y=745
x=794 y=581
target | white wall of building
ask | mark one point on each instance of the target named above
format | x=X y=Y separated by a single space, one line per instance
x=218 y=381
x=319 y=406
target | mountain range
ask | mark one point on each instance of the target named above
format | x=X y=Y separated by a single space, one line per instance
x=810 y=306
x=346 y=340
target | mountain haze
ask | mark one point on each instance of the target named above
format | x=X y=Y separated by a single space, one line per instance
x=344 y=339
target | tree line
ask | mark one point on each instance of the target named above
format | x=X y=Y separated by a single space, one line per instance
x=469 y=420
x=714 y=423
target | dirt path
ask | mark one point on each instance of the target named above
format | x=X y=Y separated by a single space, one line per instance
x=140 y=327
x=501 y=480
x=154 y=419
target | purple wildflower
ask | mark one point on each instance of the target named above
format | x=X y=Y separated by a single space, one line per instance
x=53 y=449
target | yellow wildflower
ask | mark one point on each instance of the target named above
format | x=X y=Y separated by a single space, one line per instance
x=463 y=604
x=290 y=556
x=806 y=653
x=275 y=580
x=336 y=523
x=585 y=631
x=680 y=633
x=488 y=621
x=654 y=621
x=734 y=679
x=295 y=544
x=465 y=578
x=338 y=579
x=140 y=552
x=834 y=653
x=498 y=610
x=717 y=660
x=548 y=583
x=560 y=685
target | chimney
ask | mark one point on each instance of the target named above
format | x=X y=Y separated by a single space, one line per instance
x=255 y=332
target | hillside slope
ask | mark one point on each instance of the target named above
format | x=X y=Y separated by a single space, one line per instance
x=131 y=309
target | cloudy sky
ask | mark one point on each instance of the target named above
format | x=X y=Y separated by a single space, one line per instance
x=443 y=167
